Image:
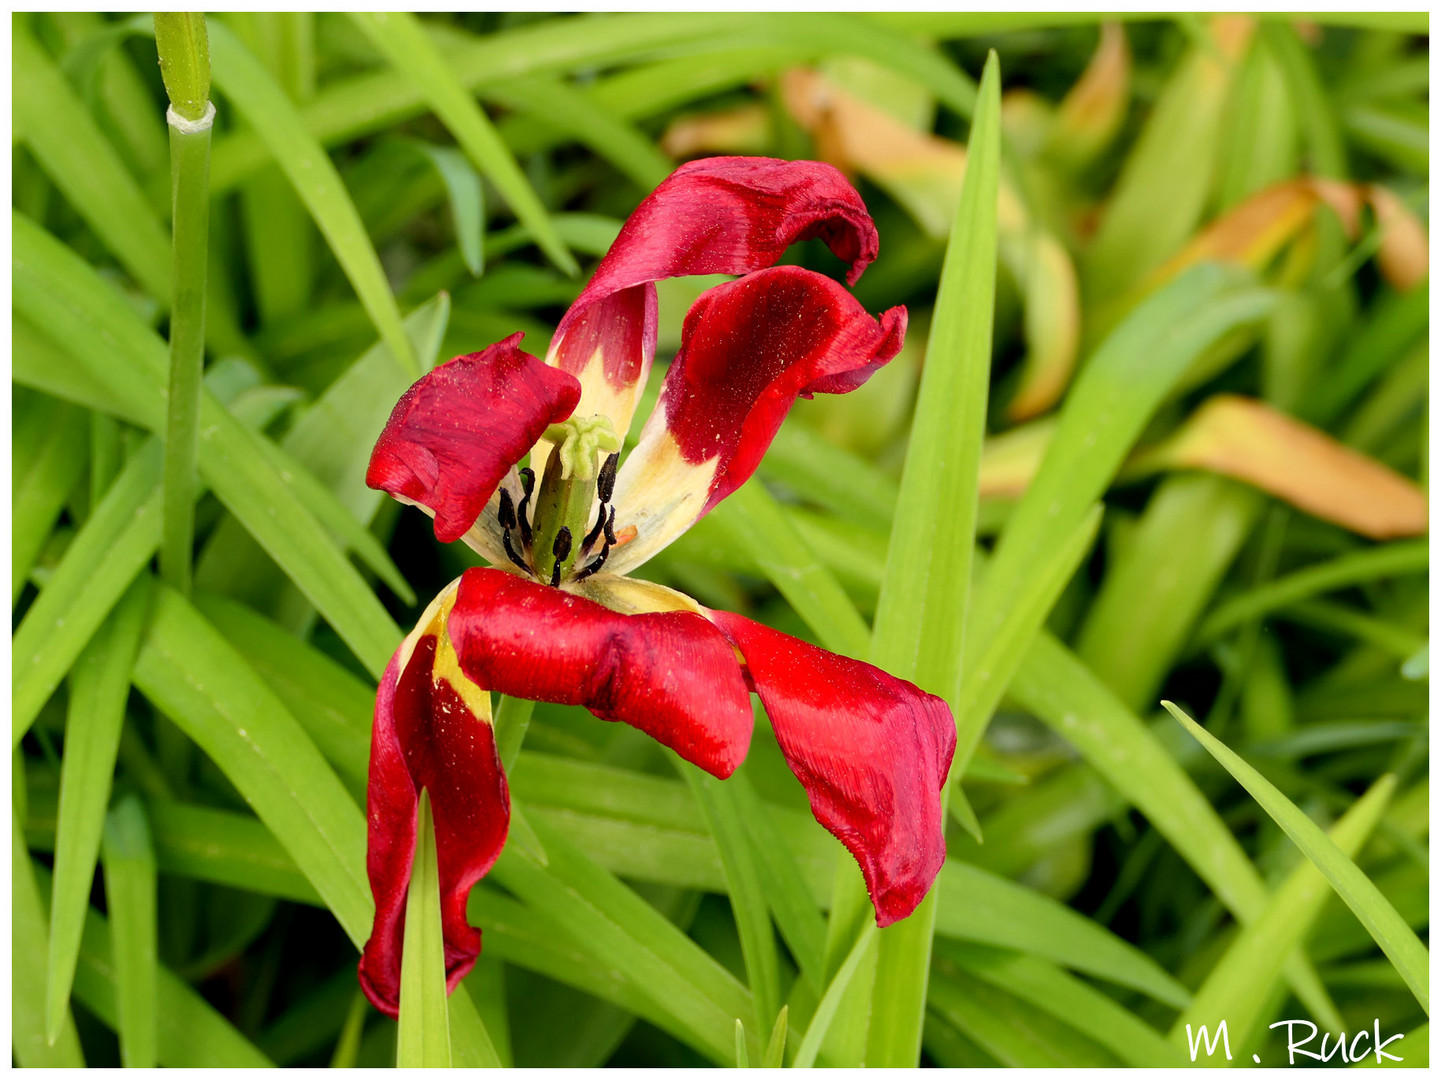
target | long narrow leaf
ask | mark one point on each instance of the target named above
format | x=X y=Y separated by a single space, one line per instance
x=191 y=1032
x=202 y=684
x=248 y=87
x=98 y=691
x=743 y=875
x=28 y=932
x=1387 y=928
x=424 y=1036
x=1238 y=987
x=1068 y=697
x=130 y=888
x=62 y=293
x=921 y=620
x=83 y=163
x=399 y=36
x=42 y=479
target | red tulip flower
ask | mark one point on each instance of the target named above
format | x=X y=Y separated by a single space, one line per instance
x=554 y=618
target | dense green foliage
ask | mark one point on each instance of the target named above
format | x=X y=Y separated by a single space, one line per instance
x=1186 y=459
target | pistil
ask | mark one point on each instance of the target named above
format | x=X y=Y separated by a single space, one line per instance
x=568 y=488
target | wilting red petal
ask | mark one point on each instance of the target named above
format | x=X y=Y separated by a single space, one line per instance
x=721 y=215
x=749 y=348
x=609 y=345
x=670 y=674
x=432 y=730
x=459 y=429
x=871 y=750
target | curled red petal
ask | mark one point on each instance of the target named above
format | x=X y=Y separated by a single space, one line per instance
x=671 y=674
x=871 y=750
x=749 y=348
x=454 y=435
x=720 y=215
x=428 y=735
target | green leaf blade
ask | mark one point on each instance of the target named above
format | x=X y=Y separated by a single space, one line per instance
x=424 y=1039
x=1397 y=940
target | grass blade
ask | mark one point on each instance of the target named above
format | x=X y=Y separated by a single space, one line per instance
x=1012 y=1030
x=593 y=125
x=831 y=1000
x=1354 y=568
x=192 y=675
x=743 y=1060
x=921 y=616
x=1397 y=940
x=1137 y=625
x=401 y=39
x=424 y=1038
x=745 y=889
x=249 y=88
x=111 y=547
x=1065 y=694
x=1238 y=987
x=28 y=933
x=776 y=1048
x=63 y=294
x=49 y=460
x=332 y=440
x=190 y=1033
x=1068 y=999
x=331 y=704
x=98 y=690
x=625 y=933
x=130 y=889
x=998 y=658
x=767 y=535
x=1125 y=380
x=60 y=131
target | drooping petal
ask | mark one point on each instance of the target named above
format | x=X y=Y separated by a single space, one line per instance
x=749 y=348
x=432 y=731
x=871 y=750
x=455 y=434
x=671 y=674
x=722 y=215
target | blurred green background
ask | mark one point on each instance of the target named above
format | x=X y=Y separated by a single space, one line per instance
x=1261 y=559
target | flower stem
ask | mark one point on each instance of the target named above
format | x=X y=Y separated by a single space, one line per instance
x=185 y=64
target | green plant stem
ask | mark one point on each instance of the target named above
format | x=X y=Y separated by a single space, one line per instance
x=190 y=172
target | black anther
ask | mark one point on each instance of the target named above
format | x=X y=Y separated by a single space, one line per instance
x=605 y=483
x=561 y=548
x=505 y=539
x=527 y=481
x=594 y=565
x=610 y=528
x=507 y=511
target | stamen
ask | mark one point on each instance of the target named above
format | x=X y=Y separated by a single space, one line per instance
x=527 y=482
x=590 y=537
x=605 y=482
x=560 y=549
x=610 y=528
x=505 y=539
x=594 y=565
x=507 y=511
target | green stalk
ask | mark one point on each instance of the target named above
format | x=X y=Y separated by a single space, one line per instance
x=924 y=596
x=181 y=41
